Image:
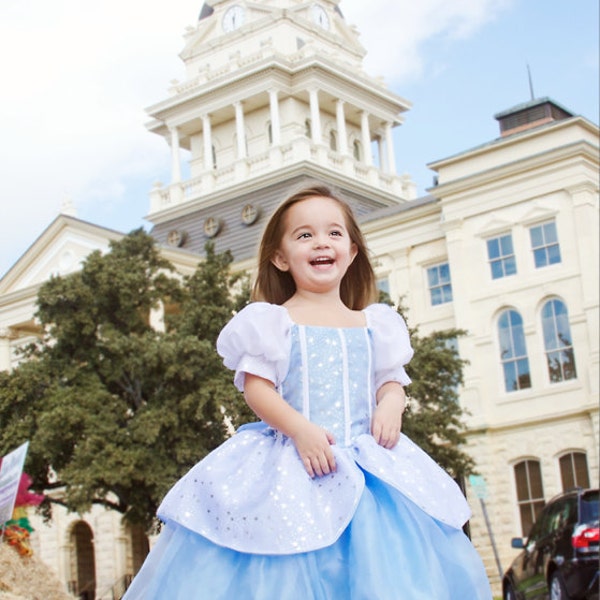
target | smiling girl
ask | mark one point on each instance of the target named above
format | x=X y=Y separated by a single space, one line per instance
x=323 y=498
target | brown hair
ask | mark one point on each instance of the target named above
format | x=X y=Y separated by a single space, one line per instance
x=357 y=289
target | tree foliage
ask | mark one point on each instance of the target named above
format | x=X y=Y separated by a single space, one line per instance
x=115 y=410
x=434 y=417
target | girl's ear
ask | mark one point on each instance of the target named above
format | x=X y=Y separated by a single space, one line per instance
x=280 y=262
x=353 y=252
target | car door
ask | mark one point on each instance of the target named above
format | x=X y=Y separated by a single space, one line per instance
x=542 y=550
x=527 y=572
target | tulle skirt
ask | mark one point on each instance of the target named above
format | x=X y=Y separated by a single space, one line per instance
x=391 y=550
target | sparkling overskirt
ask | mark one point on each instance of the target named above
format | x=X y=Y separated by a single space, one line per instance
x=391 y=550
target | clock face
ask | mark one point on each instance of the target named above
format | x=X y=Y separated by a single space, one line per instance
x=320 y=17
x=233 y=17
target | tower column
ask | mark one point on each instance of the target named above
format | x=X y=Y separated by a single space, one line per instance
x=341 y=127
x=240 y=130
x=207 y=139
x=315 y=116
x=175 y=161
x=389 y=148
x=366 y=137
x=275 y=123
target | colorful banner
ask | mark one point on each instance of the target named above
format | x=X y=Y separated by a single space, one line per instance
x=11 y=468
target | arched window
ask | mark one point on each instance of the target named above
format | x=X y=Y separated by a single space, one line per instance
x=574 y=470
x=530 y=492
x=513 y=351
x=558 y=342
x=357 y=150
x=333 y=140
x=83 y=562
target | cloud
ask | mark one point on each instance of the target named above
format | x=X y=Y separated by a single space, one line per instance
x=78 y=75
x=395 y=31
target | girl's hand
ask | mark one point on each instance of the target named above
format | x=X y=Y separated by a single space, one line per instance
x=313 y=444
x=387 y=417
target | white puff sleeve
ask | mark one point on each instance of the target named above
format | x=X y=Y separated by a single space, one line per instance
x=391 y=344
x=257 y=341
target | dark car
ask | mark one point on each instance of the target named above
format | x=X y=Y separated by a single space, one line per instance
x=559 y=560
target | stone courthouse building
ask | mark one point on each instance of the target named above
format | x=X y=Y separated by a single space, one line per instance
x=504 y=246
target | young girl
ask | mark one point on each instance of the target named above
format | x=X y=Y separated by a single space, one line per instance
x=323 y=499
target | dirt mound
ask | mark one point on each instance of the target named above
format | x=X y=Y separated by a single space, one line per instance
x=27 y=578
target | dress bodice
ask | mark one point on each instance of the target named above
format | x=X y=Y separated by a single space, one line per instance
x=330 y=380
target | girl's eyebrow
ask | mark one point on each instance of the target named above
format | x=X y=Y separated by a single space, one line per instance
x=309 y=226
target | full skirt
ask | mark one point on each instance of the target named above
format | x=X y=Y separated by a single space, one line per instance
x=391 y=550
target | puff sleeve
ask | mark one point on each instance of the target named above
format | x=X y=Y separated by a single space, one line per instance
x=257 y=341
x=391 y=344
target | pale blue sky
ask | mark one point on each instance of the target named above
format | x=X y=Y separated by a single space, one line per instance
x=78 y=76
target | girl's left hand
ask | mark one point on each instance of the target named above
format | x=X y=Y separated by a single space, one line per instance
x=387 y=417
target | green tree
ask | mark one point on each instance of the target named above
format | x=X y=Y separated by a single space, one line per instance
x=115 y=411
x=434 y=419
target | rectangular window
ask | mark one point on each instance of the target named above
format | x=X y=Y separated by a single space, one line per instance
x=383 y=285
x=501 y=256
x=440 y=286
x=544 y=244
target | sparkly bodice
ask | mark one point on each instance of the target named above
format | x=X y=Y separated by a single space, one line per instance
x=330 y=379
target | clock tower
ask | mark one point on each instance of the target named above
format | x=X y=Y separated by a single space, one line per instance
x=274 y=94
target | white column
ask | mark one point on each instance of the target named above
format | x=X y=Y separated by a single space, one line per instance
x=341 y=127
x=366 y=138
x=389 y=147
x=240 y=130
x=175 y=162
x=275 y=125
x=315 y=116
x=207 y=138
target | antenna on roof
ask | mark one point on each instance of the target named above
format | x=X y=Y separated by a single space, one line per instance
x=530 y=82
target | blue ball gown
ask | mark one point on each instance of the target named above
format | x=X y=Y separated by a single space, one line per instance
x=247 y=522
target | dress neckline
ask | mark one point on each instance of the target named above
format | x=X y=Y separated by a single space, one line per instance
x=336 y=327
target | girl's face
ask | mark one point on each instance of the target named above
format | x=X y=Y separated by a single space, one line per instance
x=316 y=247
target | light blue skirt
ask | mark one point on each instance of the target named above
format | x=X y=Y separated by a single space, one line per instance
x=392 y=550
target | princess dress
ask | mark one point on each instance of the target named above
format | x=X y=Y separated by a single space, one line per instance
x=248 y=523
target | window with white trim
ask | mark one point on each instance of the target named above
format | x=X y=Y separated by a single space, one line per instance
x=501 y=256
x=558 y=343
x=439 y=283
x=544 y=244
x=513 y=351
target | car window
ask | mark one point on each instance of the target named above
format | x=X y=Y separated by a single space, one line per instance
x=557 y=516
x=589 y=507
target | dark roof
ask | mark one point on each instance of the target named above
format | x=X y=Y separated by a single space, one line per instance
x=531 y=104
x=206 y=11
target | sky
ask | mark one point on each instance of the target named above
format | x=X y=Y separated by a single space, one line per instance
x=78 y=76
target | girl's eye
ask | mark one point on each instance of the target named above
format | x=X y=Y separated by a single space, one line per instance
x=336 y=232
x=304 y=236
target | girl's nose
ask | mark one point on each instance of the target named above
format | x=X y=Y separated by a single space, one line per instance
x=321 y=241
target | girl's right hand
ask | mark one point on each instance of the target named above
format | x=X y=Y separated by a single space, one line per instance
x=313 y=444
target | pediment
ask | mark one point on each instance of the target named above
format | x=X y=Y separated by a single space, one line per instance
x=59 y=250
x=493 y=226
x=537 y=213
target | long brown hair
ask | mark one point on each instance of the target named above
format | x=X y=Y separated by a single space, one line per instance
x=357 y=289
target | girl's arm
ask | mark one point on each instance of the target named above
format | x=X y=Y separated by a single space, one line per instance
x=312 y=442
x=387 y=417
